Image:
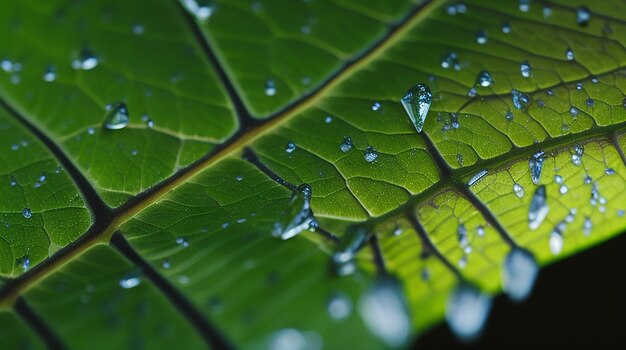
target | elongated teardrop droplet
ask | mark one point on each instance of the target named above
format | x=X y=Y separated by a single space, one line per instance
x=297 y=216
x=467 y=310
x=384 y=311
x=519 y=274
x=538 y=208
x=416 y=102
x=535 y=164
x=116 y=116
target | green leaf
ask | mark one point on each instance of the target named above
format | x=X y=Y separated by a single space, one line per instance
x=161 y=234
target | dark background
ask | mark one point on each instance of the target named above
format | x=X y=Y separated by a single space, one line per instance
x=579 y=302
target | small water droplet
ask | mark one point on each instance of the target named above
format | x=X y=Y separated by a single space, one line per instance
x=520 y=100
x=573 y=111
x=480 y=231
x=270 y=87
x=27 y=213
x=538 y=209
x=339 y=306
x=506 y=28
x=346 y=145
x=138 y=29
x=290 y=147
x=463 y=262
x=328 y=119
x=131 y=280
x=547 y=11
x=449 y=60
x=416 y=103
x=471 y=92
x=297 y=216
x=577 y=156
x=569 y=54
x=349 y=245
x=524 y=5
x=86 y=61
x=202 y=10
x=509 y=116
x=116 y=116
x=371 y=155
x=24 y=262
x=182 y=241
x=535 y=164
x=467 y=310
x=583 y=16
x=462 y=235
x=556 y=242
x=590 y=102
x=609 y=171
x=519 y=274
x=385 y=312
x=563 y=189
x=49 y=74
x=484 y=79
x=166 y=264
x=558 y=179
x=587 y=226
x=525 y=69
x=518 y=190
x=481 y=37
x=376 y=106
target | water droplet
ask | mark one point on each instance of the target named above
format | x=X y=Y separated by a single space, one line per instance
x=480 y=231
x=525 y=69
x=350 y=244
x=484 y=79
x=509 y=116
x=385 y=312
x=506 y=28
x=587 y=226
x=297 y=215
x=524 y=5
x=519 y=274
x=290 y=147
x=138 y=29
x=579 y=86
x=583 y=16
x=463 y=262
x=116 y=116
x=6 y=65
x=520 y=100
x=449 y=60
x=371 y=154
x=471 y=92
x=328 y=119
x=130 y=281
x=538 y=209
x=202 y=10
x=416 y=102
x=569 y=54
x=270 y=87
x=573 y=111
x=346 y=145
x=556 y=242
x=467 y=310
x=547 y=11
x=166 y=264
x=462 y=235
x=577 y=156
x=518 y=190
x=182 y=241
x=27 y=213
x=24 y=262
x=376 y=106
x=481 y=37
x=590 y=102
x=477 y=177
x=292 y=339
x=535 y=163
x=563 y=189
x=86 y=61
x=609 y=171
x=558 y=179
x=49 y=74
x=339 y=306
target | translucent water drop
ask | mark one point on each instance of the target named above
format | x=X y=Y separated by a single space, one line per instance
x=524 y=5
x=525 y=69
x=556 y=242
x=449 y=60
x=270 y=87
x=519 y=274
x=339 y=306
x=350 y=244
x=371 y=154
x=467 y=310
x=328 y=119
x=451 y=10
x=518 y=190
x=86 y=61
x=538 y=209
x=535 y=164
x=130 y=281
x=463 y=262
x=558 y=179
x=620 y=212
x=471 y=92
x=416 y=103
x=385 y=312
x=590 y=102
x=138 y=29
x=480 y=231
x=27 y=213
x=609 y=171
x=24 y=262
x=509 y=116
x=577 y=156
x=166 y=264
x=583 y=16
x=454 y=121
x=292 y=339
x=506 y=28
x=587 y=226
x=520 y=100
x=481 y=37
x=477 y=177
x=484 y=79
x=547 y=11
x=461 y=234
x=569 y=55
x=13 y=181
x=6 y=65
x=290 y=147
x=182 y=241
x=116 y=117
x=573 y=111
x=563 y=189
x=49 y=74
x=346 y=145
x=202 y=10
x=297 y=216
x=579 y=86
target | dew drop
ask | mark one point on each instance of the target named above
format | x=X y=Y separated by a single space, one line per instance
x=182 y=241
x=609 y=171
x=138 y=29
x=467 y=310
x=13 y=181
x=270 y=87
x=509 y=116
x=506 y=28
x=471 y=92
x=573 y=111
x=346 y=145
x=520 y=100
x=385 y=312
x=519 y=274
x=116 y=116
x=461 y=235
x=480 y=231
x=463 y=262
x=449 y=60
x=538 y=209
x=535 y=164
x=297 y=216
x=417 y=102
x=339 y=306
x=563 y=189
x=328 y=119
x=525 y=69
x=583 y=16
x=49 y=75
x=371 y=155
x=86 y=61
x=569 y=55
x=27 y=213
x=290 y=147
x=558 y=179
x=518 y=190
x=577 y=156
x=166 y=264
x=556 y=242
x=202 y=10
x=481 y=37
x=24 y=262
x=130 y=281
x=587 y=226
x=484 y=79
x=590 y=102
x=547 y=11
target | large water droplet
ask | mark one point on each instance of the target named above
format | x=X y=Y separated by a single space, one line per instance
x=535 y=164
x=416 y=102
x=524 y=5
x=297 y=216
x=583 y=16
x=520 y=100
x=371 y=154
x=339 y=306
x=130 y=281
x=202 y=10
x=538 y=209
x=519 y=274
x=385 y=312
x=116 y=116
x=346 y=145
x=86 y=61
x=525 y=69
x=27 y=213
x=467 y=310
x=484 y=79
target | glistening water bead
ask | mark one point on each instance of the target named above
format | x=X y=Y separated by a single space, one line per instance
x=416 y=102
x=519 y=274
x=116 y=116
x=484 y=79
